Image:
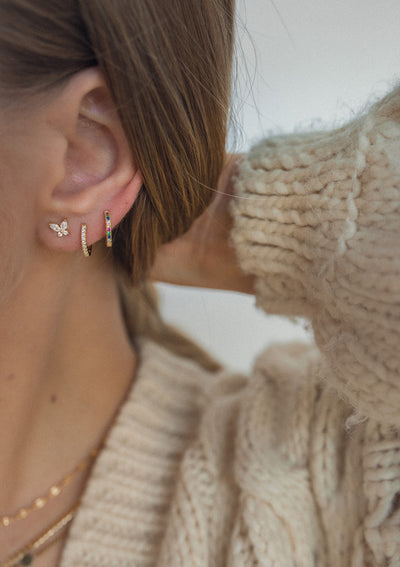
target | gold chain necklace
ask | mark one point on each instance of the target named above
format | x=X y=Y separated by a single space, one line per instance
x=52 y=492
x=28 y=553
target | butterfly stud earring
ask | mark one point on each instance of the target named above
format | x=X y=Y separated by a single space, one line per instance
x=60 y=229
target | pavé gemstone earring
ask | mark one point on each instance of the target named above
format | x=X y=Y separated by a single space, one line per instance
x=87 y=250
x=108 y=229
x=61 y=229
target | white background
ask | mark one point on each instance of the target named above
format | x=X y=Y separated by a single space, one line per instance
x=301 y=64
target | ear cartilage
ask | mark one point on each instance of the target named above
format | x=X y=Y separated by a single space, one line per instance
x=87 y=250
x=61 y=229
x=108 y=229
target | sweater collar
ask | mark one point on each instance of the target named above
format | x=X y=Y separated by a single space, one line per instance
x=124 y=507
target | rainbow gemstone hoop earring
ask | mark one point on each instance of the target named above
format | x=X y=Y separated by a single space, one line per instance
x=87 y=250
x=108 y=229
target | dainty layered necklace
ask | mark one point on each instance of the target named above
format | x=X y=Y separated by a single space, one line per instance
x=50 y=535
x=27 y=554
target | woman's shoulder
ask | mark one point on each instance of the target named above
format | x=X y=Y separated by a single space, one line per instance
x=251 y=462
x=277 y=468
x=282 y=373
x=242 y=419
x=226 y=469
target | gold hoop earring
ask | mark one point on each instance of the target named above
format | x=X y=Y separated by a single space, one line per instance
x=107 y=220
x=87 y=250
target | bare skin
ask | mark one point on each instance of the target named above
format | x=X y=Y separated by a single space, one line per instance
x=60 y=385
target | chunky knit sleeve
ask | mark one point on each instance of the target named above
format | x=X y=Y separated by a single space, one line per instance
x=317 y=220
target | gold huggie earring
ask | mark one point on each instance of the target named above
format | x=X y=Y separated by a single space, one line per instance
x=108 y=229
x=87 y=250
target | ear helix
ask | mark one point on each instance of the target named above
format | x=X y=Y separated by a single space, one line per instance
x=62 y=230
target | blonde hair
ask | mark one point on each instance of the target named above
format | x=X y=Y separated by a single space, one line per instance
x=168 y=68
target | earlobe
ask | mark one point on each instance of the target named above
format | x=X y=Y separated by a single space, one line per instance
x=99 y=173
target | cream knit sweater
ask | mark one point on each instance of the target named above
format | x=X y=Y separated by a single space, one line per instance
x=299 y=465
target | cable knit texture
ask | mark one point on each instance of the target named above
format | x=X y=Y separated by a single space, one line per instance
x=319 y=224
x=299 y=465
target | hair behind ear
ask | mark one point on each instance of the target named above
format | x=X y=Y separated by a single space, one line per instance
x=171 y=85
x=167 y=65
x=142 y=315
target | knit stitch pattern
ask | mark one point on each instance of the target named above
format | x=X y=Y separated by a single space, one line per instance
x=318 y=222
x=299 y=464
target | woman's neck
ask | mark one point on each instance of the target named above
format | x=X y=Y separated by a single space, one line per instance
x=65 y=364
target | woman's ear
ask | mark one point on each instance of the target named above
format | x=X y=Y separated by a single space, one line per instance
x=97 y=172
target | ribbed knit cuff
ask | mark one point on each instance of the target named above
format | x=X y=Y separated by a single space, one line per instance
x=316 y=219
